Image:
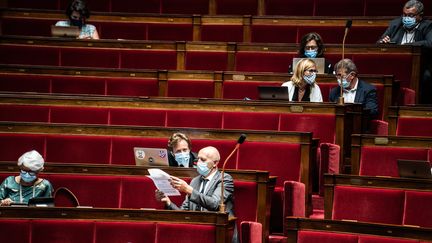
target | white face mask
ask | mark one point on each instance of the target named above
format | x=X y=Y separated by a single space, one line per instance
x=203 y=169
x=310 y=79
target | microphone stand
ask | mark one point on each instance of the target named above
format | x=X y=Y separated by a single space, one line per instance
x=222 y=204
x=347 y=27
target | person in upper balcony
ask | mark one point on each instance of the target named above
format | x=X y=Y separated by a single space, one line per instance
x=302 y=86
x=354 y=89
x=78 y=13
x=28 y=184
x=410 y=28
x=180 y=154
x=413 y=29
x=312 y=46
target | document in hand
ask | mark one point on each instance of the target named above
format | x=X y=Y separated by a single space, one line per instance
x=162 y=182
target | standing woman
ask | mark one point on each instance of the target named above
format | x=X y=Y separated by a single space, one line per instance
x=78 y=14
x=28 y=184
x=302 y=86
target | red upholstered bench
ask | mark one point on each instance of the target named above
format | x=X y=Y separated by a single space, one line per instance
x=21 y=26
x=184 y=7
x=24 y=113
x=241 y=90
x=263 y=61
x=194 y=118
x=225 y=33
x=191 y=88
x=382 y=161
x=418 y=209
x=206 y=60
x=16 y=54
x=239 y=7
x=148 y=59
x=376 y=205
x=414 y=126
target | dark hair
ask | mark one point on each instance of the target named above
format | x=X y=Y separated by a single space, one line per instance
x=308 y=37
x=79 y=6
x=176 y=138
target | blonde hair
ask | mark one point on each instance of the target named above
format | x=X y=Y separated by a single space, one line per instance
x=299 y=70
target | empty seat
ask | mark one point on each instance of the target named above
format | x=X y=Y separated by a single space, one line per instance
x=82 y=115
x=89 y=57
x=191 y=88
x=382 y=161
x=414 y=126
x=305 y=236
x=15 y=230
x=197 y=119
x=185 y=233
x=418 y=210
x=274 y=34
x=244 y=89
x=125 y=232
x=185 y=7
x=290 y=7
x=251 y=121
x=47 y=231
x=225 y=33
x=17 y=54
x=25 y=83
x=137 y=117
x=148 y=59
x=24 y=113
x=332 y=8
x=311 y=123
x=206 y=60
x=173 y=32
x=12 y=146
x=132 y=86
x=239 y=7
x=375 y=205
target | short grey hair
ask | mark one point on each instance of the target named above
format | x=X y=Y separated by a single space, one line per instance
x=416 y=4
x=346 y=64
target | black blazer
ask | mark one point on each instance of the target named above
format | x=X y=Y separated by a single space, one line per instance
x=422 y=36
x=366 y=94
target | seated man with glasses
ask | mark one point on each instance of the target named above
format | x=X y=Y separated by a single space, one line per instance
x=302 y=86
x=354 y=90
x=19 y=189
x=410 y=28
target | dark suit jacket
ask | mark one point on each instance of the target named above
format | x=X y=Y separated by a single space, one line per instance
x=423 y=33
x=173 y=162
x=365 y=94
x=209 y=200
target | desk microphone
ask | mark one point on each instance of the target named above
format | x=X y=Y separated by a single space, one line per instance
x=240 y=140
x=347 y=27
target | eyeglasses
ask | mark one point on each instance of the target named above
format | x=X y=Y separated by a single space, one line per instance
x=309 y=48
x=312 y=71
x=32 y=173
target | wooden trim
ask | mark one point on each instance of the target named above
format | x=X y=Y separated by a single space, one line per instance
x=220 y=220
x=413 y=111
x=351 y=227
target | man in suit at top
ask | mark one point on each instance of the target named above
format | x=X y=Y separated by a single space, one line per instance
x=354 y=90
x=204 y=191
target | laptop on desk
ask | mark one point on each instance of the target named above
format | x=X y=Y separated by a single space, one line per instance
x=320 y=63
x=65 y=31
x=414 y=169
x=151 y=156
x=273 y=93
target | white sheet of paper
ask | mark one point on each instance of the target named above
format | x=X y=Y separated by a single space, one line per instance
x=161 y=180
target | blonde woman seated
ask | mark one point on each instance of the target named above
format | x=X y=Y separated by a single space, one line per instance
x=302 y=86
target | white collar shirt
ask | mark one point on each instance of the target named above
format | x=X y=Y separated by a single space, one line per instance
x=349 y=95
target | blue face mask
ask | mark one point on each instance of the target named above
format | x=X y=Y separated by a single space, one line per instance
x=203 y=169
x=311 y=53
x=182 y=158
x=408 y=22
x=310 y=79
x=27 y=177
x=345 y=83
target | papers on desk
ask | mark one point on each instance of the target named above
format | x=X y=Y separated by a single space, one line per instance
x=161 y=180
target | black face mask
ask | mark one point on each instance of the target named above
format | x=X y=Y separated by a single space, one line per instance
x=76 y=22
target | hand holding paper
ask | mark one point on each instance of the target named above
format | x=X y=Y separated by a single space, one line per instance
x=162 y=181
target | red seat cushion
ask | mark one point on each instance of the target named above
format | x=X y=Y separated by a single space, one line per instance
x=132 y=87
x=242 y=89
x=185 y=233
x=149 y=59
x=171 y=32
x=47 y=231
x=25 y=83
x=382 y=239
x=305 y=236
x=251 y=121
x=15 y=230
x=78 y=149
x=225 y=33
x=206 y=60
x=89 y=57
x=382 y=161
x=274 y=34
x=17 y=54
x=124 y=232
x=78 y=85
x=263 y=61
x=137 y=117
x=12 y=146
x=191 y=88
x=82 y=115
x=23 y=113
x=191 y=118
x=418 y=210
x=375 y=205
x=293 y=7
x=323 y=126
x=414 y=126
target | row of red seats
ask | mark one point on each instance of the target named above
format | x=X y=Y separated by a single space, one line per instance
x=99 y=231
x=178 y=31
x=259 y=60
x=249 y=7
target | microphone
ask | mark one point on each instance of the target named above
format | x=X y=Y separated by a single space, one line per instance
x=347 y=27
x=240 y=140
